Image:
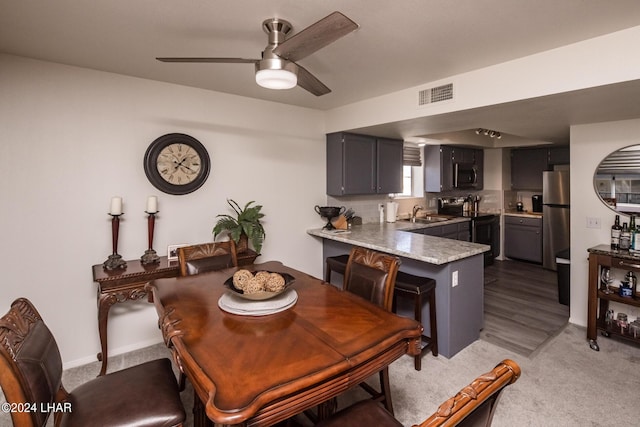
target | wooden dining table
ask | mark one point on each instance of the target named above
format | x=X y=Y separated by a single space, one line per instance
x=260 y=370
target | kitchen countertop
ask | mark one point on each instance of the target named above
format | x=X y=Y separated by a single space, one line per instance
x=606 y=250
x=395 y=238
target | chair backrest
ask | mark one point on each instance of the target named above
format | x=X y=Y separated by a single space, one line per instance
x=475 y=404
x=371 y=275
x=205 y=257
x=30 y=366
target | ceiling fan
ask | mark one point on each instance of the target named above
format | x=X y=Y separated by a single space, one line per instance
x=278 y=69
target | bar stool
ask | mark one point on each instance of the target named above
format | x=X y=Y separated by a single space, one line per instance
x=416 y=287
x=407 y=286
x=335 y=263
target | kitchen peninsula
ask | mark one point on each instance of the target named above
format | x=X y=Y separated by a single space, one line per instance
x=457 y=267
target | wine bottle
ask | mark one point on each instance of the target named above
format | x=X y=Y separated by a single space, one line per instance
x=615 y=234
x=625 y=238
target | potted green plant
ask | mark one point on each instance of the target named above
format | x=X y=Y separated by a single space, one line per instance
x=244 y=228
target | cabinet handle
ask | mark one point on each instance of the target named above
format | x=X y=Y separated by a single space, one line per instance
x=625 y=264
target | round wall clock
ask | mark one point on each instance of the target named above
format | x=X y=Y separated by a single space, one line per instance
x=176 y=163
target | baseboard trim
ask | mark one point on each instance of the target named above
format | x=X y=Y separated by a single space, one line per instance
x=112 y=352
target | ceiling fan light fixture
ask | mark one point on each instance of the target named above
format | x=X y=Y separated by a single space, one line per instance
x=276 y=79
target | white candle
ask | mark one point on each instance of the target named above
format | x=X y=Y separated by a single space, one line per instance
x=116 y=206
x=152 y=204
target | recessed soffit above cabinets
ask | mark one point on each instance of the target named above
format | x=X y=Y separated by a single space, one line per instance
x=470 y=137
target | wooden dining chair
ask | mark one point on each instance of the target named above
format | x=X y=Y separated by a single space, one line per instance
x=372 y=275
x=473 y=406
x=145 y=395
x=196 y=259
x=203 y=257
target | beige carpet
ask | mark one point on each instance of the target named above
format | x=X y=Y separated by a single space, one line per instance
x=564 y=383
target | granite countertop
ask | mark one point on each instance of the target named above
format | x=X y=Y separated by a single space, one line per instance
x=606 y=250
x=526 y=214
x=394 y=238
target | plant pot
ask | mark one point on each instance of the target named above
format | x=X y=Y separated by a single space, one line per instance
x=243 y=244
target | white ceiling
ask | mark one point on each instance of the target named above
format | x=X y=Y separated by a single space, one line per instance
x=399 y=44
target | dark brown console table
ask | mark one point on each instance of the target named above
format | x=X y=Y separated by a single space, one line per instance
x=128 y=284
x=122 y=285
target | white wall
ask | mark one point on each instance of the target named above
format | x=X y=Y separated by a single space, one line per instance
x=589 y=145
x=595 y=62
x=71 y=138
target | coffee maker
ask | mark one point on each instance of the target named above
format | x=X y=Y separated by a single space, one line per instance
x=536 y=203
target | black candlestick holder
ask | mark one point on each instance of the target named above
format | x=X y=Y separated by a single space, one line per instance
x=150 y=256
x=114 y=261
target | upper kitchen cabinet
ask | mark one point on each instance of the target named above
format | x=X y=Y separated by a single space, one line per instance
x=442 y=162
x=463 y=155
x=389 y=163
x=362 y=164
x=478 y=161
x=559 y=155
x=527 y=165
x=438 y=168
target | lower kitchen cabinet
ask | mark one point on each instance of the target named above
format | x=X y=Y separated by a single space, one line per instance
x=459 y=231
x=523 y=238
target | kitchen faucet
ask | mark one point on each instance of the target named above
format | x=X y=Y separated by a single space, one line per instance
x=416 y=208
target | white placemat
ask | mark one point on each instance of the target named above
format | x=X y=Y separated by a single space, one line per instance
x=234 y=304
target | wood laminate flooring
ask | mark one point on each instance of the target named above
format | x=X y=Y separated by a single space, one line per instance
x=521 y=308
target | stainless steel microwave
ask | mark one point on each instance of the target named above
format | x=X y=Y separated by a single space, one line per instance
x=465 y=175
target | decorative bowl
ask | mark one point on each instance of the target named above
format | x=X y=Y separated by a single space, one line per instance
x=262 y=295
x=329 y=212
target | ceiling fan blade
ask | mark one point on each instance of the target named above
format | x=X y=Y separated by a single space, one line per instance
x=310 y=83
x=315 y=37
x=212 y=60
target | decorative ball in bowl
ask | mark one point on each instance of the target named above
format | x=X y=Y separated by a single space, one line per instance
x=258 y=285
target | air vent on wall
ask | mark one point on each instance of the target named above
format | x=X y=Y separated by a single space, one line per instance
x=435 y=94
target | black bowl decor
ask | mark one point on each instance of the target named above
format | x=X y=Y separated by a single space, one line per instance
x=329 y=212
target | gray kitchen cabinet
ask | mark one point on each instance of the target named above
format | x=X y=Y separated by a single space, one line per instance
x=438 y=168
x=559 y=155
x=458 y=231
x=463 y=155
x=389 y=165
x=527 y=165
x=523 y=238
x=478 y=160
x=362 y=164
x=439 y=163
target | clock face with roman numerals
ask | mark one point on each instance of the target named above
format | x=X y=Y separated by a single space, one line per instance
x=176 y=163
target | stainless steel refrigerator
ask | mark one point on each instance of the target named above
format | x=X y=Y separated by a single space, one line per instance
x=556 y=222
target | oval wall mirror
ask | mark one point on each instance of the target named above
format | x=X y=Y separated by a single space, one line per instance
x=617 y=180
